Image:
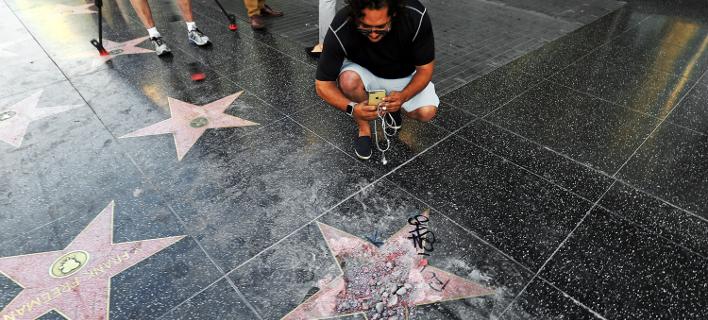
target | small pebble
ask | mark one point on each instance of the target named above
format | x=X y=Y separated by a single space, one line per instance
x=345 y=305
x=408 y=286
x=401 y=291
x=393 y=301
x=393 y=318
x=379 y=307
x=385 y=294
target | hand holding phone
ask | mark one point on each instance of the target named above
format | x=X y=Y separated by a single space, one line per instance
x=376 y=96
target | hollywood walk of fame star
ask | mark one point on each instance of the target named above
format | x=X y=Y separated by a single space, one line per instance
x=75 y=282
x=4 y=53
x=14 y=120
x=188 y=122
x=395 y=275
x=114 y=49
x=61 y=11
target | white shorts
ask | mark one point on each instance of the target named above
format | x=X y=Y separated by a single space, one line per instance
x=427 y=97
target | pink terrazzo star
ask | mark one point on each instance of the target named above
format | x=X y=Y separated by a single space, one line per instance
x=61 y=11
x=189 y=122
x=75 y=281
x=14 y=120
x=394 y=275
x=114 y=49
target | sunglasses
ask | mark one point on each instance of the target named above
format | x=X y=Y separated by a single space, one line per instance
x=379 y=32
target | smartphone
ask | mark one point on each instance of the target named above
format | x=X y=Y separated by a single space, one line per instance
x=375 y=97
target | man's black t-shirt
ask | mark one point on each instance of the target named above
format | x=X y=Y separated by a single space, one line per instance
x=408 y=44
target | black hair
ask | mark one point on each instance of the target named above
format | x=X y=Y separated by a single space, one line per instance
x=396 y=8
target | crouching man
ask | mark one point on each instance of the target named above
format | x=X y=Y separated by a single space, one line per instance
x=379 y=45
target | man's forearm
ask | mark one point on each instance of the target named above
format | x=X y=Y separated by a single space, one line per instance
x=420 y=80
x=331 y=94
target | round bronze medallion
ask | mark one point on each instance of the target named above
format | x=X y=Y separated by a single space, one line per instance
x=7 y=115
x=69 y=264
x=199 y=122
x=116 y=51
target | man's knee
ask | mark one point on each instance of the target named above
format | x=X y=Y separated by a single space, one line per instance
x=350 y=82
x=426 y=113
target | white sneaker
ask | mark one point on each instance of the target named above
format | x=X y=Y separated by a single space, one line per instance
x=160 y=46
x=197 y=37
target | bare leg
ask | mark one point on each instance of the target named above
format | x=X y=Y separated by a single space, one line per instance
x=353 y=88
x=143 y=10
x=422 y=114
x=186 y=7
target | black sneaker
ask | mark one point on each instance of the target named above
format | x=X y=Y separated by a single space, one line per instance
x=396 y=118
x=362 y=147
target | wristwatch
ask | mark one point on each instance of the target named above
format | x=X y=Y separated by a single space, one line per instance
x=350 y=109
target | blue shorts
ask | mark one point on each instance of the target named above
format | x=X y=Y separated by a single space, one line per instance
x=427 y=97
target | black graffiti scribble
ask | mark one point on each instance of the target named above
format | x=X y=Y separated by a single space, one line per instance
x=421 y=236
x=441 y=284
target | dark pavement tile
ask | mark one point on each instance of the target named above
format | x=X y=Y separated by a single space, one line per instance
x=265 y=185
x=671 y=166
x=281 y=81
x=631 y=84
x=154 y=286
x=542 y=301
x=515 y=211
x=557 y=168
x=691 y=112
x=622 y=272
x=576 y=125
x=492 y=91
x=659 y=217
x=217 y=302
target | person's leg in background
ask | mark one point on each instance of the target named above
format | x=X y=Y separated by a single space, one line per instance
x=258 y=8
x=327 y=10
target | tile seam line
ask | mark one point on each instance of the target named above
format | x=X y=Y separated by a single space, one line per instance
x=577 y=225
x=638 y=111
x=139 y=168
x=602 y=173
x=342 y=201
x=649 y=231
x=661 y=122
x=662 y=200
x=33 y=89
x=547 y=78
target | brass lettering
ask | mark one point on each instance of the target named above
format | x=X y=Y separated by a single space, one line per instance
x=127 y=256
x=21 y=311
x=89 y=273
x=76 y=281
x=136 y=249
x=117 y=260
x=57 y=292
x=108 y=266
x=11 y=316
x=66 y=287
x=47 y=298
x=32 y=303
x=96 y=270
